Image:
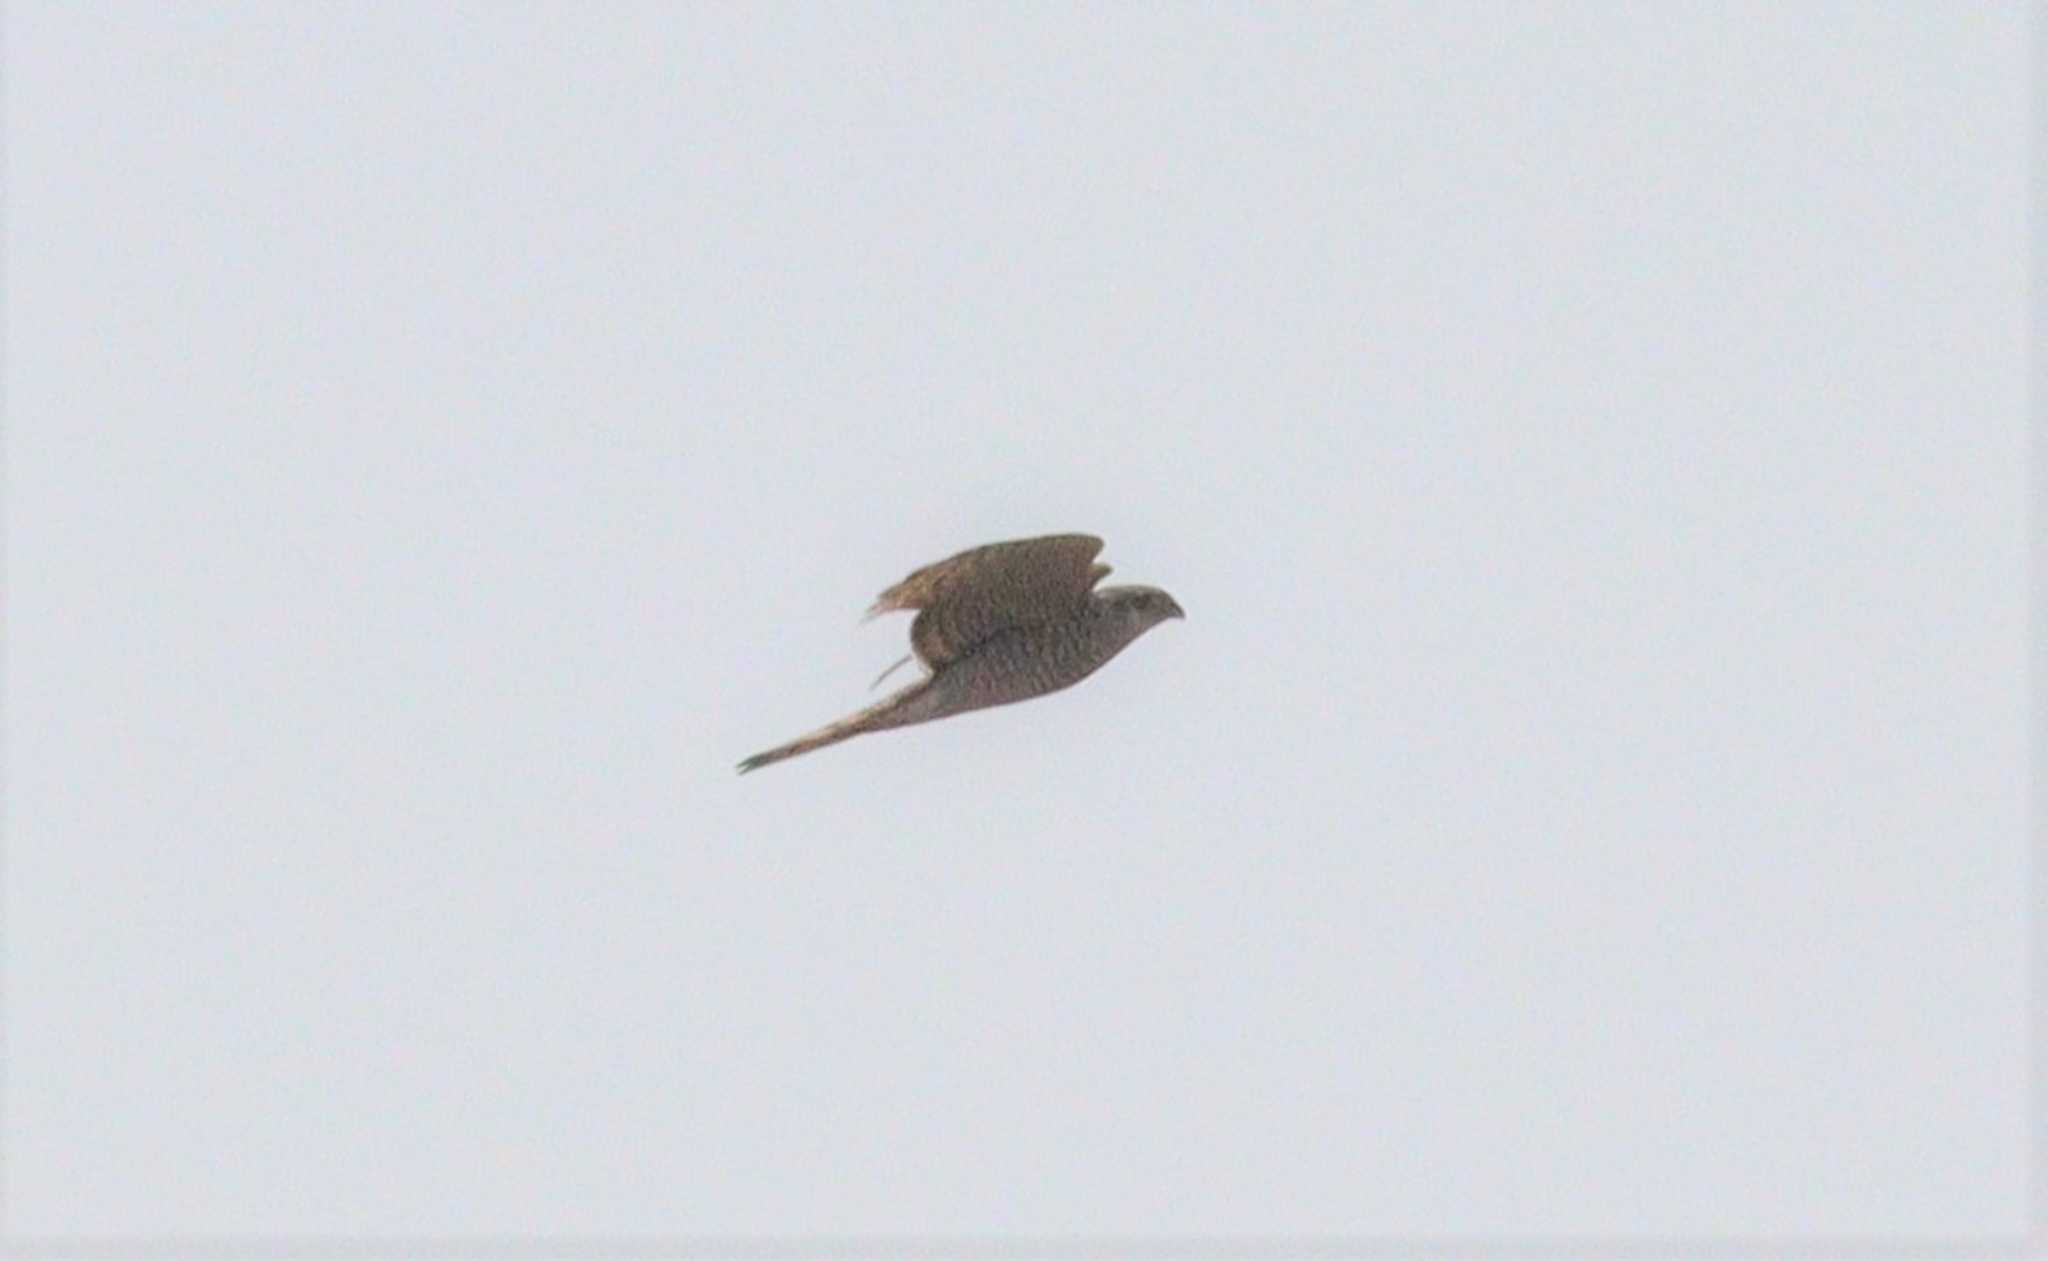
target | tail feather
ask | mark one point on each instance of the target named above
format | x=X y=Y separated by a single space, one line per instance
x=893 y=711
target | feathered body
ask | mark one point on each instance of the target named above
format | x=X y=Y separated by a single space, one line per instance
x=996 y=625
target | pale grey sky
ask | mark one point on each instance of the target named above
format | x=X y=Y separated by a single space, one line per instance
x=1586 y=796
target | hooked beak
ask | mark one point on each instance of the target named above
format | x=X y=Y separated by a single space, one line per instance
x=1177 y=610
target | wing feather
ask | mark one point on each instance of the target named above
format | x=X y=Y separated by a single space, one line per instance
x=964 y=599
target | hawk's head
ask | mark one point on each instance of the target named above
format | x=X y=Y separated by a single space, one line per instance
x=1143 y=607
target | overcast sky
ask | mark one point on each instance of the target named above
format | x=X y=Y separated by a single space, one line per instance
x=1586 y=795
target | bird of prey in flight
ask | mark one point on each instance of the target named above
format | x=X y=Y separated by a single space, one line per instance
x=997 y=624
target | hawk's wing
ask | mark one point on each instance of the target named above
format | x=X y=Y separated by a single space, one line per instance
x=964 y=599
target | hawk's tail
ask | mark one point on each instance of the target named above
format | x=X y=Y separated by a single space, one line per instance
x=897 y=710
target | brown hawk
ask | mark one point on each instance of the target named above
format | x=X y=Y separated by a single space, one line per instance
x=997 y=624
